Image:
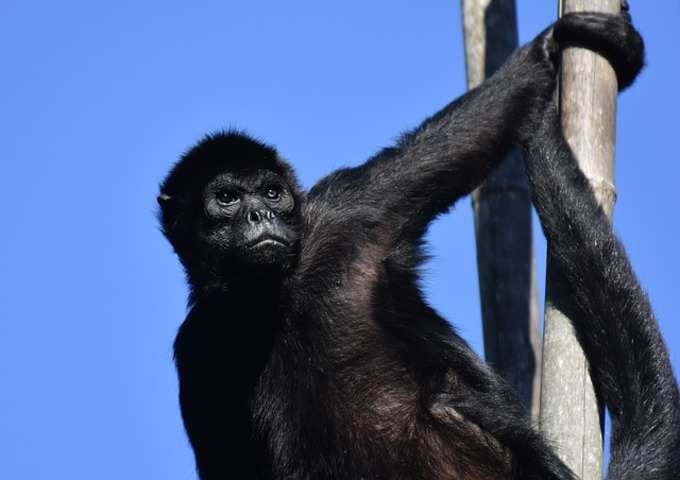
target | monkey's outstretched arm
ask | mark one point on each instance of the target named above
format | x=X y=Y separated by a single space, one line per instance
x=450 y=153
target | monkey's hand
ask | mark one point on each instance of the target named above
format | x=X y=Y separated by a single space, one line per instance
x=612 y=36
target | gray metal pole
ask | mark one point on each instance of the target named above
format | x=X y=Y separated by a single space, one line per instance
x=570 y=414
x=507 y=280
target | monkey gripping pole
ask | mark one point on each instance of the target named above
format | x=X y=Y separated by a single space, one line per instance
x=502 y=210
x=570 y=415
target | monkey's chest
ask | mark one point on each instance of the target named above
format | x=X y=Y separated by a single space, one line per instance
x=366 y=424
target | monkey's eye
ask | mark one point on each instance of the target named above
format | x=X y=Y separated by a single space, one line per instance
x=227 y=197
x=273 y=193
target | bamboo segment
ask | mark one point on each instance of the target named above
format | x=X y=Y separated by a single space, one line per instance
x=570 y=415
x=502 y=210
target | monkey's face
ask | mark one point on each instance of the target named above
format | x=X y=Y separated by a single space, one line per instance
x=248 y=222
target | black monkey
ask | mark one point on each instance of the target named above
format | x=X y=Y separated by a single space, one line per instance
x=309 y=352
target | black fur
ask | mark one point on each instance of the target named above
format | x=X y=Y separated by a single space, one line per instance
x=327 y=363
x=612 y=315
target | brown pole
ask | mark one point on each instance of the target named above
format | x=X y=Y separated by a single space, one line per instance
x=507 y=280
x=570 y=414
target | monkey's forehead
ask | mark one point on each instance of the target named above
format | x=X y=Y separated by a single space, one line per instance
x=246 y=178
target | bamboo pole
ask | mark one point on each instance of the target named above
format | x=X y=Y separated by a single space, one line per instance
x=502 y=211
x=570 y=414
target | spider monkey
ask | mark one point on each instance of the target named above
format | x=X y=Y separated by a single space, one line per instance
x=309 y=351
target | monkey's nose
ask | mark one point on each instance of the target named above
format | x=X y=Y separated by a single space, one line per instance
x=254 y=216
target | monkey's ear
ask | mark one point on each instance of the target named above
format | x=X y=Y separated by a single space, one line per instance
x=168 y=212
x=163 y=199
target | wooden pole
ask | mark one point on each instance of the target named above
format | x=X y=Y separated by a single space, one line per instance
x=507 y=280
x=570 y=414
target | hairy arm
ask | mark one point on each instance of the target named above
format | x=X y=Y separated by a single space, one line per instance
x=450 y=153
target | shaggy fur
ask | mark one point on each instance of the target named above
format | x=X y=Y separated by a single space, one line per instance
x=332 y=365
x=611 y=313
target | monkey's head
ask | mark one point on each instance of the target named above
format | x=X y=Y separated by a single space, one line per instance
x=231 y=209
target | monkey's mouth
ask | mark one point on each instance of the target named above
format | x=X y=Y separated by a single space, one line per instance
x=268 y=241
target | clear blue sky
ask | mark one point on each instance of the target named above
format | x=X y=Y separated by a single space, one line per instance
x=99 y=98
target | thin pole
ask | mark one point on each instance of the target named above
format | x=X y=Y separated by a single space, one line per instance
x=570 y=414
x=507 y=280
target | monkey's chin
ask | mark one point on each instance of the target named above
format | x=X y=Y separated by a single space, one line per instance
x=269 y=254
